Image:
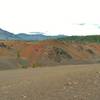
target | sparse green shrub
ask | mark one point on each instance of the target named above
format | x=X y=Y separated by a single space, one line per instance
x=81 y=39
x=23 y=62
x=90 y=51
x=24 y=66
x=18 y=55
x=35 y=65
x=62 y=53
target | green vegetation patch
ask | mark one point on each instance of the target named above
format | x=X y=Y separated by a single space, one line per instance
x=23 y=62
x=83 y=39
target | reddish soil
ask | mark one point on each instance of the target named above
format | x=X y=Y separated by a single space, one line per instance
x=50 y=52
x=45 y=51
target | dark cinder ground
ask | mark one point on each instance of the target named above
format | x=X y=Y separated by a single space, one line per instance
x=70 y=82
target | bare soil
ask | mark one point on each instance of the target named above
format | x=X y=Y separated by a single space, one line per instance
x=69 y=82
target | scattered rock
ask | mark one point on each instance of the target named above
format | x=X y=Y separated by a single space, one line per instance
x=72 y=83
x=64 y=87
x=24 y=96
x=95 y=82
x=69 y=83
x=75 y=83
x=75 y=96
x=88 y=94
x=98 y=72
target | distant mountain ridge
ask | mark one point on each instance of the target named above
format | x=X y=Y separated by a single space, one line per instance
x=5 y=35
x=36 y=36
x=24 y=36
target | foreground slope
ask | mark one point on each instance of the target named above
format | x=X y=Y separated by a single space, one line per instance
x=70 y=82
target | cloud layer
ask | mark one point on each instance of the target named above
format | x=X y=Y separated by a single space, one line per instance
x=51 y=16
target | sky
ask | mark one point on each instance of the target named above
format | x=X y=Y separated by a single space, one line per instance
x=52 y=17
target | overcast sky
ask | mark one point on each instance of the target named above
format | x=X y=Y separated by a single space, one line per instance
x=69 y=17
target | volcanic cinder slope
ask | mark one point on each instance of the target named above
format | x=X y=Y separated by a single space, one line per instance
x=9 y=51
x=54 y=52
x=16 y=54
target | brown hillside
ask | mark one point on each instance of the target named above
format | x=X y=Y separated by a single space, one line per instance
x=50 y=52
x=54 y=52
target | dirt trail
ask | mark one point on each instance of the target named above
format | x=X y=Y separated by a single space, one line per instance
x=70 y=82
